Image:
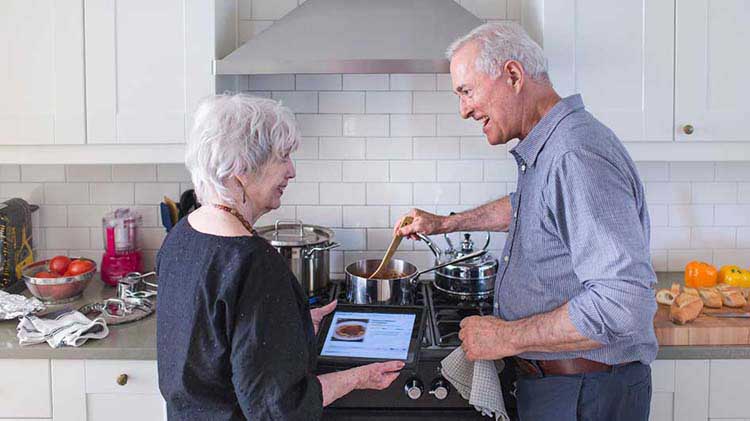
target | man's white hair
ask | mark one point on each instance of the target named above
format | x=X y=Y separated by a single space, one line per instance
x=500 y=42
x=234 y=134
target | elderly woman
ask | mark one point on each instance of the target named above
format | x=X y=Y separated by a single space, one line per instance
x=236 y=338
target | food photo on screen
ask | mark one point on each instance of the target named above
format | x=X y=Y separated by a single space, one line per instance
x=350 y=330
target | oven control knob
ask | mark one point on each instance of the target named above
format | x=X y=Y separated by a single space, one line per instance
x=414 y=388
x=439 y=389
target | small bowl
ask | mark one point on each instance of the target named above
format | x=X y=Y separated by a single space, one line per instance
x=56 y=290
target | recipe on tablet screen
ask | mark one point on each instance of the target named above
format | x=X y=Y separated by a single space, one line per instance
x=369 y=335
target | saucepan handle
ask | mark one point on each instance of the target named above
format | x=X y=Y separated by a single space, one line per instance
x=414 y=278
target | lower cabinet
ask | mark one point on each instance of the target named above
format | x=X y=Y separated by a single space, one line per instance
x=25 y=389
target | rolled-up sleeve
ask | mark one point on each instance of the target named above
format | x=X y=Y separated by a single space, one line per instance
x=271 y=373
x=595 y=207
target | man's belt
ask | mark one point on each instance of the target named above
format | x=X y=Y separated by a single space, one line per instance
x=569 y=367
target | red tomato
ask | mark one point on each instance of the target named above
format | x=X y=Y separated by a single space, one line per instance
x=78 y=267
x=45 y=275
x=59 y=264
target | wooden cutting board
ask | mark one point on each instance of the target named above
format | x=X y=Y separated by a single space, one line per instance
x=705 y=330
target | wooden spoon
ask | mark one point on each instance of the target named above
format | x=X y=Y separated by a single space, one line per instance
x=391 y=248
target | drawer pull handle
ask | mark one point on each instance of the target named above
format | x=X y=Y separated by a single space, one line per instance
x=688 y=129
x=122 y=379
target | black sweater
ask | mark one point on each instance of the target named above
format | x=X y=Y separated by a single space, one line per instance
x=234 y=336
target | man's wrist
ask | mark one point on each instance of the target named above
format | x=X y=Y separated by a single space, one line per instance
x=511 y=333
x=448 y=223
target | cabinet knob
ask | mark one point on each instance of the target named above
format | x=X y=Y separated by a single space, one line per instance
x=122 y=379
x=688 y=129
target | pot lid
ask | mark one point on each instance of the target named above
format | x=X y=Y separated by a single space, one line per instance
x=482 y=266
x=294 y=234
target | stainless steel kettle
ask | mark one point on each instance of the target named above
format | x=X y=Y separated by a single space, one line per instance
x=471 y=279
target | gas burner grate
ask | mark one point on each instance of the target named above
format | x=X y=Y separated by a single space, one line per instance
x=447 y=313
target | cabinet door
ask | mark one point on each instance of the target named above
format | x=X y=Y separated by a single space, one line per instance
x=41 y=76
x=147 y=65
x=619 y=56
x=25 y=389
x=711 y=83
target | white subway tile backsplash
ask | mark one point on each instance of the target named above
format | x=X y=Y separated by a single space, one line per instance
x=691 y=171
x=505 y=170
x=659 y=260
x=96 y=239
x=282 y=213
x=365 y=82
x=460 y=170
x=365 y=125
x=480 y=193
x=366 y=216
x=657 y=192
x=111 y=193
x=66 y=193
x=53 y=216
x=733 y=171
x=151 y=238
x=389 y=148
x=30 y=192
x=342 y=193
x=413 y=82
x=299 y=102
x=350 y=238
x=714 y=193
x=361 y=171
x=691 y=215
x=327 y=216
x=270 y=83
x=66 y=238
x=412 y=125
x=670 y=238
x=153 y=193
x=731 y=257
x=744 y=196
x=319 y=124
x=388 y=102
x=437 y=193
x=732 y=215
x=271 y=9
x=86 y=215
x=478 y=148
x=454 y=125
x=713 y=237
x=77 y=173
x=380 y=239
x=743 y=238
x=299 y=193
x=444 y=82
x=659 y=215
x=439 y=102
x=172 y=172
x=418 y=171
x=342 y=148
x=10 y=172
x=137 y=172
x=40 y=173
x=342 y=102
x=389 y=193
x=318 y=170
x=653 y=171
x=678 y=259
x=436 y=147
x=318 y=82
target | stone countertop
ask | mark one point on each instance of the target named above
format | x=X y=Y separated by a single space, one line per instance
x=137 y=340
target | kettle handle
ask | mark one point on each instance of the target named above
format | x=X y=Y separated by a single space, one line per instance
x=450 y=243
x=433 y=247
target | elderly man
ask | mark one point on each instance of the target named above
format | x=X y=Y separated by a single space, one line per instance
x=573 y=298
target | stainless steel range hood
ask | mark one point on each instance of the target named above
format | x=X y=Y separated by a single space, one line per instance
x=354 y=36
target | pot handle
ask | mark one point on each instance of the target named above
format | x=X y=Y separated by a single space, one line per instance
x=293 y=221
x=312 y=251
x=413 y=278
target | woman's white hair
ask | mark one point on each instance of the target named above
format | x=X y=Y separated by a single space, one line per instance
x=234 y=134
x=500 y=42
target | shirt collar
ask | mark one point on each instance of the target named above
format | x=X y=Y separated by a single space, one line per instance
x=528 y=149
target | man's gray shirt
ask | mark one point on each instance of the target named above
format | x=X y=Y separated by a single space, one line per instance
x=580 y=235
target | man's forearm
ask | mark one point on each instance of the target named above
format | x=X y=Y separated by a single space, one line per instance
x=549 y=332
x=492 y=216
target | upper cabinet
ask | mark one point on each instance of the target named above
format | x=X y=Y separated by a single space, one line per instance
x=147 y=65
x=42 y=72
x=711 y=83
x=619 y=56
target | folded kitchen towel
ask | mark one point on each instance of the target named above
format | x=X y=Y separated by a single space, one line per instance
x=68 y=329
x=477 y=382
x=13 y=306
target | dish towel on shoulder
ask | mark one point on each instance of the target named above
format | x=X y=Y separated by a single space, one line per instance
x=71 y=329
x=477 y=382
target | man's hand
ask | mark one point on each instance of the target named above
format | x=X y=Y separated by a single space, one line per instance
x=486 y=338
x=424 y=222
x=317 y=314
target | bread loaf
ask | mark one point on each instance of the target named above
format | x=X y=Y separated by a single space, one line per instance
x=686 y=308
x=711 y=297
x=666 y=297
x=731 y=296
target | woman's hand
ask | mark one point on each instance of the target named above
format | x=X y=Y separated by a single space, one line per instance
x=317 y=314
x=377 y=376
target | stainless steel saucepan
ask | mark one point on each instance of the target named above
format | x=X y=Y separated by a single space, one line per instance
x=396 y=289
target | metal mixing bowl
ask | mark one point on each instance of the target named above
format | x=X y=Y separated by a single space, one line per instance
x=56 y=290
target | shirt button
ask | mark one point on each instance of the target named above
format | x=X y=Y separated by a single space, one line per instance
x=497 y=305
x=515 y=214
x=523 y=168
x=506 y=258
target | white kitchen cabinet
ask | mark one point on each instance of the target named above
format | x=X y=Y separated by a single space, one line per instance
x=619 y=56
x=42 y=76
x=711 y=83
x=25 y=389
x=147 y=66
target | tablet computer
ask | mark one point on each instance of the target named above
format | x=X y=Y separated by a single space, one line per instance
x=360 y=334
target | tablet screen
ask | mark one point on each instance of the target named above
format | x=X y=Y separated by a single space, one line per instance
x=369 y=335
